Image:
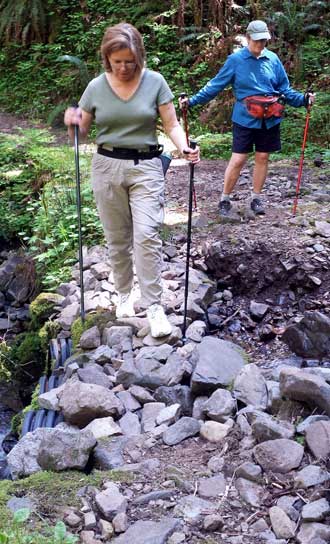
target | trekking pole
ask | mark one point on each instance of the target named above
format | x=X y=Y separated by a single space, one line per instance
x=193 y=145
x=78 y=201
x=309 y=107
x=186 y=129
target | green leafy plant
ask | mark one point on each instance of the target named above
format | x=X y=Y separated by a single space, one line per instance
x=18 y=534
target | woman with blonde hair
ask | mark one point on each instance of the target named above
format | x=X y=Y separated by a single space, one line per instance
x=127 y=176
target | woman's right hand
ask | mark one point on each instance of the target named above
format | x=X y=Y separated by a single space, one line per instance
x=72 y=116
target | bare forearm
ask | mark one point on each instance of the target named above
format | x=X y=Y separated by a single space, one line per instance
x=178 y=137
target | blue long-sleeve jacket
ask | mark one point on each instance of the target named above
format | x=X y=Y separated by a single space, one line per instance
x=249 y=75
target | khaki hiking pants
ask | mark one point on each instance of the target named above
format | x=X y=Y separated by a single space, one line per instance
x=130 y=202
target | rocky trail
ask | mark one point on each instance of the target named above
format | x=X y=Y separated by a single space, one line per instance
x=225 y=439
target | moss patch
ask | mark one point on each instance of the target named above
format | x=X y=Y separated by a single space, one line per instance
x=101 y=319
x=42 y=307
x=51 y=491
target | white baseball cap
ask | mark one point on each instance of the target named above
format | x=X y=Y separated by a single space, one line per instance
x=258 y=30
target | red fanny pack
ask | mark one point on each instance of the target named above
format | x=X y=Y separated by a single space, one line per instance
x=263 y=107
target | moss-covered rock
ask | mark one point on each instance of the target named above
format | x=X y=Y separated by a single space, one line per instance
x=42 y=307
x=101 y=319
x=47 y=332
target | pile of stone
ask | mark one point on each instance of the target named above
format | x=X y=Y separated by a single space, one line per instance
x=257 y=437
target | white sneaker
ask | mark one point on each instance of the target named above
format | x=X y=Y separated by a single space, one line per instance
x=159 y=324
x=125 y=306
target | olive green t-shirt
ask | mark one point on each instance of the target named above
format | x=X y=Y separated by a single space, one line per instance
x=126 y=123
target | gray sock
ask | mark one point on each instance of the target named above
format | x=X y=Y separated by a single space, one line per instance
x=255 y=195
x=224 y=197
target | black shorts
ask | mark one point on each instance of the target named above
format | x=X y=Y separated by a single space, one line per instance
x=264 y=140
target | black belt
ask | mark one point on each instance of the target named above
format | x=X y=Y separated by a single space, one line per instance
x=131 y=154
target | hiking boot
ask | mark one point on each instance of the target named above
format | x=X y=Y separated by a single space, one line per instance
x=257 y=206
x=125 y=306
x=227 y=213
x=224 y=208
x=159 y=324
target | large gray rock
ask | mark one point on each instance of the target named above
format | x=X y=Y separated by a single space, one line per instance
x=315 y=510
x=82 y=402
x=150 y=412
x=103 y=427
x=282 y=525
x=130 y=424
x=149 y=532
x=220 y=406
x=310 y=337
x=111 y=502
x=218 y=362
x=90 y=339
x=322 y=228
x=250 y=387
x=309 y=531
x=318 y=439
x=311 y=475
x=160 y=353
x=118 y=336
x=22 y=459
x=258 y=310
x=178 y=394
x=212 y=487
x=192 y=509
x=279 y=455
x=250 y=492
x=93 y=373
x=17 y=278
x=296 y=384
x=49 y=400
x=151 y=373
x=182 y=429
x=303 y=426
x=130 y=403
x=61 y=449
x=265 y=427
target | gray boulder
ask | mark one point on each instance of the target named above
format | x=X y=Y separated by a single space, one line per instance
x=281 y=455
x=310 y=337
x=318 y=439
x=298 y=385
x=151 y=373
x=23 y=458
x=220 y=406
x=182 y=429
x=250 y=387
x=158 y=532
x=217 y=363
x=90 y=339
x=61 y=449
x=178 y=394
x=311 y=475
x=83 y=402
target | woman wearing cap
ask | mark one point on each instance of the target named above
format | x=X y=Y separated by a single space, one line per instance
x=127 y=177
x=254 y=73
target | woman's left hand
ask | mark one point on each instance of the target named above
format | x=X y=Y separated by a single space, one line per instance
x=191 y=155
